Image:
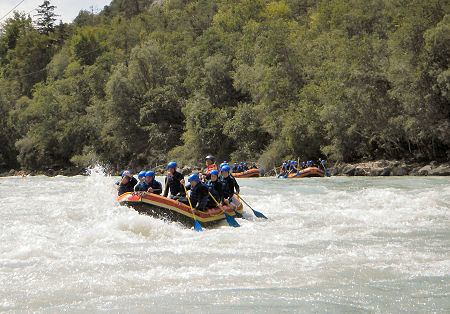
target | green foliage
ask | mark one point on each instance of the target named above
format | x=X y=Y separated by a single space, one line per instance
x=87 y=45
x=143 y=81
x=245 y=131
x=10 y=32
x=204 y=132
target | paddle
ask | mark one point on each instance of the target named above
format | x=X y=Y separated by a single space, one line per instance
x=231 y=221
x=255 y=212
x=197 y=225
x=322 y=163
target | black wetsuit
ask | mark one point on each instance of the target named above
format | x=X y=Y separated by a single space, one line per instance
x=216 y=189
x=156 y=186
x=129 y=187
x=229 y=186
x=199 y=196
x=141 y=187
x=174 y=185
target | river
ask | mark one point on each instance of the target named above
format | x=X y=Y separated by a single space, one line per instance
x=339 y=244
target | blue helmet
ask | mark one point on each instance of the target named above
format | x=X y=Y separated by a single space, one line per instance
x=214 y=172
x=141 y=174
x=171 y=165
x=223 y=164
x=225 y=168
x=126 y=173
x=150 y=174
x=194 y=177
x=294 y=162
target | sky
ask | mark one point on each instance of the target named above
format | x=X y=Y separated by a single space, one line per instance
x=67 y=9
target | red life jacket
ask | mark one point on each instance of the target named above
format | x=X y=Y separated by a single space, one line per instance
x=210 y=168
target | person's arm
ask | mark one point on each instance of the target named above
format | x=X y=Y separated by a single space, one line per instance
x=158 y=188
x=236 y=186
x=220 y=192
x=138 y=187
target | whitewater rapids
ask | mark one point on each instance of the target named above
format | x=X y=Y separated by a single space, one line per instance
x=331 y=244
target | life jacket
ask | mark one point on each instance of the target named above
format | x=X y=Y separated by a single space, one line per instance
x=210 y=168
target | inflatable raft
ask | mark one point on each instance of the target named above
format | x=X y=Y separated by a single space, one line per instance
x=307 y=173
x=166 y=208
x=251 y=173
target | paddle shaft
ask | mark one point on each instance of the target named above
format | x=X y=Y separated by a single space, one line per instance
x=190 y=205
x=240 y=198
x=231 y=221
x=255 y=212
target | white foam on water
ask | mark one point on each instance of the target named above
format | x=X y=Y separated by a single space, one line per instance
x=330 y=244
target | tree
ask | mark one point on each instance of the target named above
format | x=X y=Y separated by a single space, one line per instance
x=46 y=18
x=10 y=32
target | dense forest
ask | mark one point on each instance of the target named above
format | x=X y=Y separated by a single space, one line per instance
x=142 y=82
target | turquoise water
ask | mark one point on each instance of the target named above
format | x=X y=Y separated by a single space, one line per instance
x=331 y=244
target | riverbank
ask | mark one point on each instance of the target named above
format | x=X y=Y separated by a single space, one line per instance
x=369 y=168
x=390 y=168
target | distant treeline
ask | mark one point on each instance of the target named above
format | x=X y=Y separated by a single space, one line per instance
x=141 y=82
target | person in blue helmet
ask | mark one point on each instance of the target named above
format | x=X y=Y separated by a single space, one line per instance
x=127 y=183
x=174 y=182
x=223 y=164
x=229 y=185
x=215 y=186
x=199 y=195
x=153 y=186
x=283 y=171
x=293 y=168
x=141 y=186
x=141 y=176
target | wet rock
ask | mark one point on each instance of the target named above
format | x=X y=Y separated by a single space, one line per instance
x=360 y=171
x=21 y=173
x=382 y=171
x=415 y=171
x=424 y=171
x=442 y=170
x=381 y=164
x=335 y=171
x=401 y=170
x=349 y=170
x=50 y=172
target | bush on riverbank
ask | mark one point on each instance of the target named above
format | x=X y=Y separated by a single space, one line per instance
x=143 y=80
